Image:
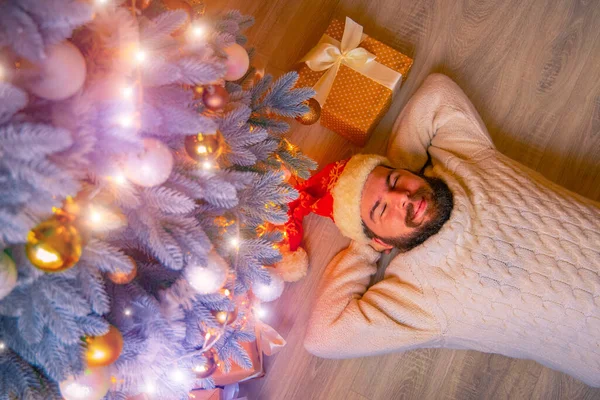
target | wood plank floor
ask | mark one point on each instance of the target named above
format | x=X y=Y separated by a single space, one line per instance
x=532 y=69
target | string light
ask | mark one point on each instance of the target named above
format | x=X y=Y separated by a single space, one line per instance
x=127 y=312
x=95 y=216
x=2 y=346
x=226 y=292
x=200 y=368
x=198 y=31
x=260 y=312
x=207 y=165
x=150 y=388
x=235 y=242
x=127 y=92
x=101 y=2
x=140 y=56
x=120 y=179
x=2 y=73
x=177 y=375
x=126 y=121
x=207 y=336
x=202 y=149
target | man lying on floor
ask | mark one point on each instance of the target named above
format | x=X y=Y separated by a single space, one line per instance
x=493 y=256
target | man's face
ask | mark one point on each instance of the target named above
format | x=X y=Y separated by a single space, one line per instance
x=402 y=209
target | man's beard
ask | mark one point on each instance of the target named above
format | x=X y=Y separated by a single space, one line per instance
x=440 y=198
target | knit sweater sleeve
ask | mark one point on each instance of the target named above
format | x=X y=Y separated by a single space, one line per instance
x=438 y=115
x=350 y=321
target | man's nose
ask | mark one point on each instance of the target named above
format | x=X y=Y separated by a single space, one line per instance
x=398 y=198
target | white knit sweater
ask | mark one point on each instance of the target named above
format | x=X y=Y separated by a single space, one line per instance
x=515 y=270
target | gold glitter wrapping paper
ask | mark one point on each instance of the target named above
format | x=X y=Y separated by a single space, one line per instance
x=356 y=103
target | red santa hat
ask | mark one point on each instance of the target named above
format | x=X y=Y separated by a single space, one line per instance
x=333 y=192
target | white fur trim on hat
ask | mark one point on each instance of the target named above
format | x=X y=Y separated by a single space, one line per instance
x=347 y=194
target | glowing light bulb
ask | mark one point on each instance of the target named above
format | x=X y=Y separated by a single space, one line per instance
x=177 y=375
x=198 y=31
x=207 y=165
x=126 y=121
x=226 y=292
x=128 y=312
x=149 y=388
x=2 y=73
x=95 y=217
x=120 y=179
x=261 y=312
x=2 y=346
x=235 y=242
x=140 y=56
x=207 y=336
x=101 y=2
x=127 y=92
x=45 y=256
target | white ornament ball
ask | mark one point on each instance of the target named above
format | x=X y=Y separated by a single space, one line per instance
x=271 y=291
x=8 y=274
x=62 y=72
x=237 y=62
x=92 y=384
x=152 y=166
x=206 y=277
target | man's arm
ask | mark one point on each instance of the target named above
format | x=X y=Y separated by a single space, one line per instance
x=440 y=115
x=350 y=321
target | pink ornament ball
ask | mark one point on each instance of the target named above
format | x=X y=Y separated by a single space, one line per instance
x=152 y=166
x=92 y=384
x=61 y=74
x=237 y=62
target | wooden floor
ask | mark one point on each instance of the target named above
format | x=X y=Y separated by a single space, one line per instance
x=532 y=68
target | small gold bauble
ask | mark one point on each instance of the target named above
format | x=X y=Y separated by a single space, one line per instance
x=313 y=114
x=225 y=317
x=120 y=277
x=209 y=367
x=215 y=97
x=54 y=245
x=104 y=350
x=203 y=147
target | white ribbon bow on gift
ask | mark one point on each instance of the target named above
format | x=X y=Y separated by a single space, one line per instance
x=329 y=54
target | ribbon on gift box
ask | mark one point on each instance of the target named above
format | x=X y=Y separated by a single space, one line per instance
x=329 y=54
x=270 y=341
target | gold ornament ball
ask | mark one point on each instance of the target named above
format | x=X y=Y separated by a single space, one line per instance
x=120 y=277
x=313 y=114
x=225 y=317
x=104 y=350
x=54 y=245
x=209 y=367
x=215 y=97
x=203 y=147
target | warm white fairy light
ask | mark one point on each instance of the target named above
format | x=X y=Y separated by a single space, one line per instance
x=207 y=336
x=226 y=292
x=2 y=346
x=260 y=312
x=140 y=56
x=95 y=216
x=177 y=375
x=149 y=388
x=75 y=390
x=198 y=31
x=207 y=165
x=126 y=121
x=235 y=242
x=2 y=73
x=101 y=2
x=120 y=179
x=128 y=312
x=127 y=92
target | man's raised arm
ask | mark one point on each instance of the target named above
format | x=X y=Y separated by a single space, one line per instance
x=350 y=321
x=440 y=115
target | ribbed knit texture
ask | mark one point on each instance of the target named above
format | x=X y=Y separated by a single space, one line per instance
x=515 y=270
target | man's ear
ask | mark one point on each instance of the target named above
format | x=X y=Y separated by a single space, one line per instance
x=380 y=245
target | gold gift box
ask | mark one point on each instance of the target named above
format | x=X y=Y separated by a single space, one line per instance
x=356 y=103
